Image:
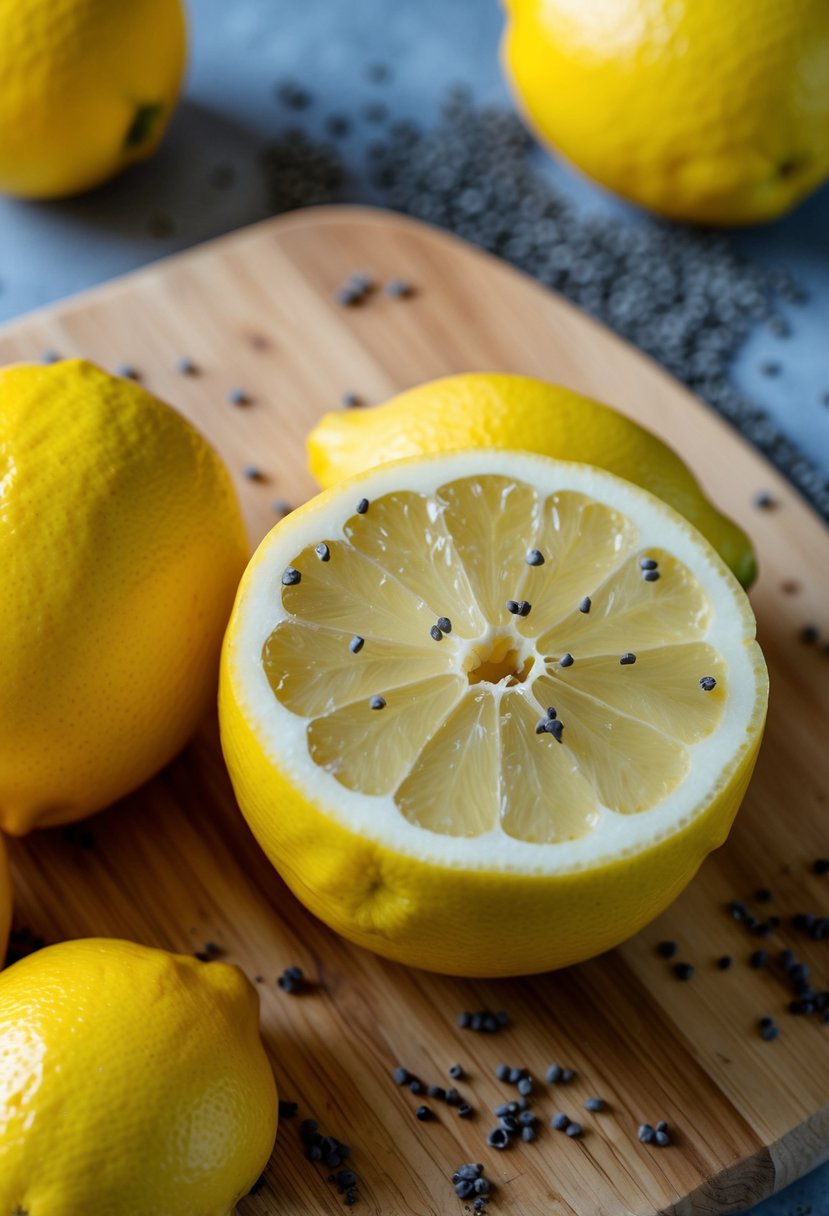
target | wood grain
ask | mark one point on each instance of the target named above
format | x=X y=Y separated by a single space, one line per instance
x=174 y=864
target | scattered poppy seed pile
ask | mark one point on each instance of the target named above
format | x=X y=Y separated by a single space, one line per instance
x=681 y=295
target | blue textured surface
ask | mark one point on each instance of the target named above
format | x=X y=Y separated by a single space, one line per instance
x=239 y=50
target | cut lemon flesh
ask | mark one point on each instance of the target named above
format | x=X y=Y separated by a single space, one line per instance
x=538 y=671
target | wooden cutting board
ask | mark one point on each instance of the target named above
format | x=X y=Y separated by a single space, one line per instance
x=175 y=866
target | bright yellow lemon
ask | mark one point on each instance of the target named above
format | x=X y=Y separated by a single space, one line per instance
x=705 y=111
x=133 y=1082
x=87 y=87
x=121 y=546
x=487 y=712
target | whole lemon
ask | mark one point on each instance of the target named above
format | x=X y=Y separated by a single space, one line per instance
x=5 y=901
x=121 y=546
x=708 y=112
x=87 y=87
x=133 y=1082
x=486 y=410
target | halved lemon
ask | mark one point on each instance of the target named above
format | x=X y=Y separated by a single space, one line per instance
x=487 y=712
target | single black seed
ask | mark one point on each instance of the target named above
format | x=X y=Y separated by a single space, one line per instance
x=528 y=1133
x=627 y=659
x=541 y=726
x=281 y=507
x=573 y=1130
x=535 y=557
x=452 y=1097
x=238 y=396
x=504 y=1108
x=683 y=971
x=456 y=1072
x=252 y=473
x=291 y=576
x=356 y=644
x=509 y=1123
x=401 y=1075
x=651 y=576
x=436 y=1091
x=560 y=1121
x=423 y=1113
x=763 y=895
x=502 y=1072
x=349 y=296
x=554 y=1073
x=498 y=1138
x=551 y=711
x=314 y=1153
x=555 y=727
x=764 y=1022
x=128 y=372
x=377 y=702
x=707 y=683
x=667 y=949
x=465 y=1188
x=820 y=866
x=186 y=367
x=515 y=1075
x=435 y=633
x=737 y=909
x=514 y=607
x=662 y=1125
x=482 y=1186
x=322 y=551
x=464 y=1020
x=524 y=608
x=585 y=604
x=362 y=506
x=465 y=1111
x=661 y=1138
x=351 y=401
x=566 y=660
x=444 y=624
x=527 y=1118
x=594 y=1104
x=646 y=1133
x=758 y=959
x=786 y=959
x=567 y=1075
x=724 y=962
x=809 y=634
x=50 y=356
x=648 y=563
x=399 y=289
x=525 y=1086
x=764 y=501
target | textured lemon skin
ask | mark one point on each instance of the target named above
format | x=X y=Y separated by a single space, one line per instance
x=121 y=546
x=708 y=112
x=5 y=901
x=133 y=1082
x=73 y=74
x=439 y=917
x=484 y=410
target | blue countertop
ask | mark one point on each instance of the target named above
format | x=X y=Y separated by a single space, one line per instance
x=239 y=52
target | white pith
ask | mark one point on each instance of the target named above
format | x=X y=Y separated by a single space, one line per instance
x=284 y=734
